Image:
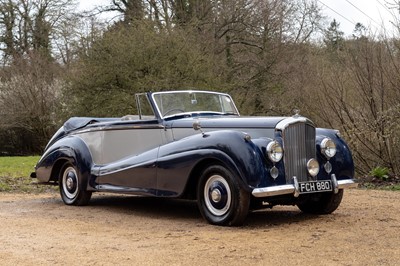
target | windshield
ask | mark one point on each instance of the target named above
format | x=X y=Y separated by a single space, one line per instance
x=180 y=102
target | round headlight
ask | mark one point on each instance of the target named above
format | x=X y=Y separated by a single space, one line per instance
x=275 y=151
x=313 y=167
x=328 y=147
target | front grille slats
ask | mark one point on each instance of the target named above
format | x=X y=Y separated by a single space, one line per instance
x=299 y=147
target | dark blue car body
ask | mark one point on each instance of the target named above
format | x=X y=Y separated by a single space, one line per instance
x=176 y=147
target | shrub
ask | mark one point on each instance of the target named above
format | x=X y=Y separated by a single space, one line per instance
x=380 y=172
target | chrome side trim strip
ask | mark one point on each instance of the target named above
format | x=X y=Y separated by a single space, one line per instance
x=119 y=127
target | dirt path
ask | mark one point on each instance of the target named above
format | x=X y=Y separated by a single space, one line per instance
x=124 y=230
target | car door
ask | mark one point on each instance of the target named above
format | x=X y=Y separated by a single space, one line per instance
x=128 y=157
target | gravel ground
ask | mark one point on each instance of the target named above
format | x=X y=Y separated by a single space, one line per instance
x=40 y=230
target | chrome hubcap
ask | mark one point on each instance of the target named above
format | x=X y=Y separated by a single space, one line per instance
x=217 y=195
x=69 y=182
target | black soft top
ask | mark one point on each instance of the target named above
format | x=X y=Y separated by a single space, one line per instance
x=80 y=122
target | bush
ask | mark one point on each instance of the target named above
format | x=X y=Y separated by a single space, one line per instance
x=380 y=172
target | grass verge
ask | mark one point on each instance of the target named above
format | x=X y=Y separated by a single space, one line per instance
x=388 y=183
x=15 y=175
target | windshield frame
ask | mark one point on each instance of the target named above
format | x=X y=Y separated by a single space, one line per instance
x=193 y=113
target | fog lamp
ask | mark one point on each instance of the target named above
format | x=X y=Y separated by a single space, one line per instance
x=313 y=167
x=274 y=172
x=328 y=167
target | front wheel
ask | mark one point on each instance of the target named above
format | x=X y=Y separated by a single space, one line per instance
x=323 y=203
x=220 y=198
x=72 y=186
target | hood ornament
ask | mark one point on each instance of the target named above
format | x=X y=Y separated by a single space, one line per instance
x=296 y=113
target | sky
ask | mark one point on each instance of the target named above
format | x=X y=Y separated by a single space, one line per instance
x=88 y=4
x=373 y=14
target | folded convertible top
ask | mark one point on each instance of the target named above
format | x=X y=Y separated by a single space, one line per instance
x=80 y=122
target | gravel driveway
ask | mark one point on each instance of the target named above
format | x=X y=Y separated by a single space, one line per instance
x=125 y=230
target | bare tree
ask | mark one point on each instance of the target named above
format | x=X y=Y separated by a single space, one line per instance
x=30 y=76
x=29 y=25
x=29 y=100
x=359 y=95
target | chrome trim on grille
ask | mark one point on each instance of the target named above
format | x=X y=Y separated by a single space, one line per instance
x=292 y=120
x=299 y=146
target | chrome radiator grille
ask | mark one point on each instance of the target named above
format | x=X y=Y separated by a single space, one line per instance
x=299 y=147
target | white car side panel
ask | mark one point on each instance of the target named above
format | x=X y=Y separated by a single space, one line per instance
x=111 y=145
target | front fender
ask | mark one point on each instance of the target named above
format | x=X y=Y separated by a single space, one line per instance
x=233 y=149
x=69 y=149
x=342 y=162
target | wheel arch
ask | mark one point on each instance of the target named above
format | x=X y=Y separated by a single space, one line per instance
x=229 y=148
x=57 y=167
x=70 y=149
x=194 y=176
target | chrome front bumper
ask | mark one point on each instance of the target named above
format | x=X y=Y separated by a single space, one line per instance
x=294 y=188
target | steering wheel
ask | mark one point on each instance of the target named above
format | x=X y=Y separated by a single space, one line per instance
x=176 y=110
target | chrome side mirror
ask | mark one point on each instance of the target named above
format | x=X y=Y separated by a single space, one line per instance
x=197 y=127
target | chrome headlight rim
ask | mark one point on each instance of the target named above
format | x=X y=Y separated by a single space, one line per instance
x=313 y=167
x=328 y=148
x=274 y=151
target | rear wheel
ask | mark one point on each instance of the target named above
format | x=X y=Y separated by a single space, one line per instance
x=220 y=198
x=72 y=186
x=323 y=203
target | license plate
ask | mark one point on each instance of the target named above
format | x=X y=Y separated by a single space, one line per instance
x=315 y=186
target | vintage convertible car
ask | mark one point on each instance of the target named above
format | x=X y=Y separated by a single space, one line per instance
x=195 y=145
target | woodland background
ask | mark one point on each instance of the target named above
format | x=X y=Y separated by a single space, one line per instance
x=272 y=56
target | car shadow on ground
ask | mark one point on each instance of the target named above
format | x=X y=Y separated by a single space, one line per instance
x=147 y=206
x=278 y=216
x=188 y=211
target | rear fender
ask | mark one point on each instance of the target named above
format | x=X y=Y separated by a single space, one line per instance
x=69 y=149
